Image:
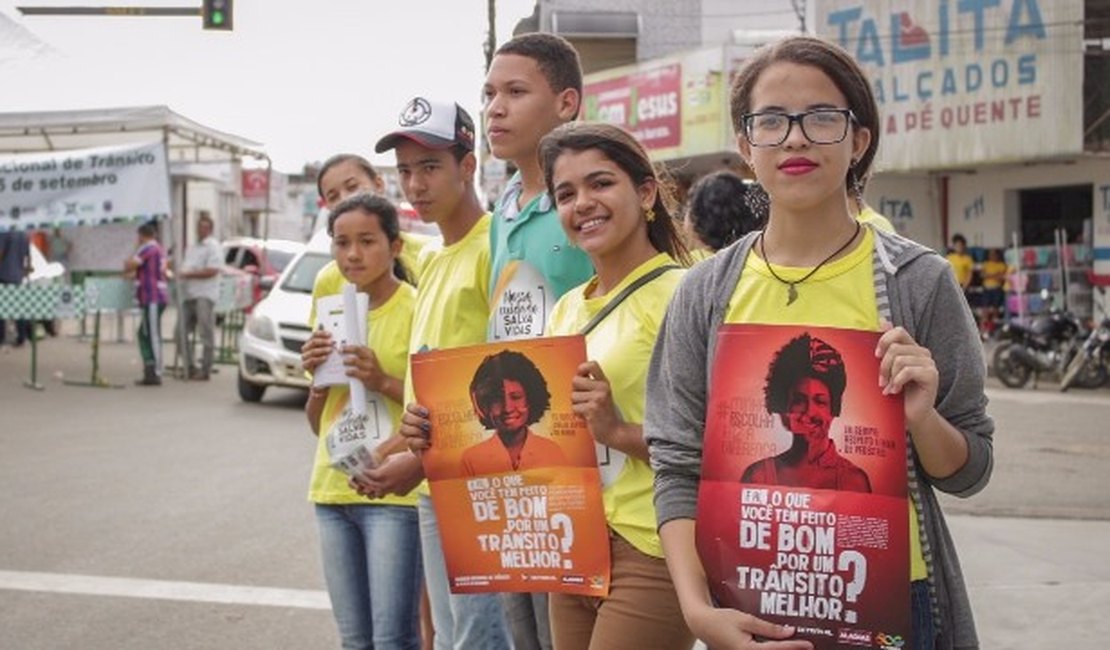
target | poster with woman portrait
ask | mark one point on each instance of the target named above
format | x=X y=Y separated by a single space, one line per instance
x=803 y=517
x=512 y=469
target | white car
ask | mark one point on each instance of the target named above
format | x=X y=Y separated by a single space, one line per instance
x=270 y=345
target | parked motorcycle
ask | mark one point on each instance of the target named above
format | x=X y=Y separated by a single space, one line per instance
x=1092 y=361
x=1046 y=345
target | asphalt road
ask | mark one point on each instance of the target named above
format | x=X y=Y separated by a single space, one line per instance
x=175 y=517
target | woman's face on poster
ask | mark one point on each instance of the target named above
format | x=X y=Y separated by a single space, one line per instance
x=809 y=410
x=510 y=413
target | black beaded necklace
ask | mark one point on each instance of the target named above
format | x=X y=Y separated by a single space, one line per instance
x=792 y=291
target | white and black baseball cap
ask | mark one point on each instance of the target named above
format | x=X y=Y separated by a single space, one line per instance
x=433 y=124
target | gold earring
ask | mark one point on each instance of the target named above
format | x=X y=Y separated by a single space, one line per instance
x=649 y=216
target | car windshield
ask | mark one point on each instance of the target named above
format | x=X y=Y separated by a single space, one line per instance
x=303 y=275
x=279 y=259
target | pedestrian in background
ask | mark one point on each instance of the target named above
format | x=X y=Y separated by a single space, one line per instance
x=15 y=264
x=809 y=128
x=717 y=213
x=148 y=267
x=614 y=206
x=200 y=287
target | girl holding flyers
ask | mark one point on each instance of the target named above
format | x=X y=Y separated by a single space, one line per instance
x=808 y=126
x=370 y=548
x=611 y=205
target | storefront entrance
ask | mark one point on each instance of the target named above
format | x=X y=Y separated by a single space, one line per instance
x=1046 y=209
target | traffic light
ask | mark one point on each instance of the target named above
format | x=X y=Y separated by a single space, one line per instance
x=217 y=14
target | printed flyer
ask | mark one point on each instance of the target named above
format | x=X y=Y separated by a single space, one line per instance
x=512 y=469
x=803 y=516
x=521 y=304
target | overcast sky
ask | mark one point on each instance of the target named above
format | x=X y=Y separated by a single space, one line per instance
x=306 y=78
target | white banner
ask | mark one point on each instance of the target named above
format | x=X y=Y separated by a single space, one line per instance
x=83 y=186
x=963 y=83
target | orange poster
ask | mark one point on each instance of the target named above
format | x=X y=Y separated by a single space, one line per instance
x=512 y=468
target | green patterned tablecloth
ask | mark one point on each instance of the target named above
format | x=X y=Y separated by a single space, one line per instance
x=40 y=301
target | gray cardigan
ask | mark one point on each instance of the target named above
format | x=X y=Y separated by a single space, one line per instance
x=915 y=289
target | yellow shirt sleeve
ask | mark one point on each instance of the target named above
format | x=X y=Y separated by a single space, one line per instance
x=869 y=215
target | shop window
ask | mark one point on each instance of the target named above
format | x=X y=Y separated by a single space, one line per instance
x=1043 y=210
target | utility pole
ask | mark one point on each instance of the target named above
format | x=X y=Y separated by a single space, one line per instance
x=491 y=32
x=800 y=11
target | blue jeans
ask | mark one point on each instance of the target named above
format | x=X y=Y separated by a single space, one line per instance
x=462 y=621
x=924 y=631
x=372 y=568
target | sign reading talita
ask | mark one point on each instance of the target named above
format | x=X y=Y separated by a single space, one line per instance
x=512 y=469
x=803 y=512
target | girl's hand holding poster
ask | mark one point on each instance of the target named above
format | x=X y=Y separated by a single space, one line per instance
x=802 y=510
x=513 y=473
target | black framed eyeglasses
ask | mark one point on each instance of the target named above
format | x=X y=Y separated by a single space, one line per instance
x=819 y=126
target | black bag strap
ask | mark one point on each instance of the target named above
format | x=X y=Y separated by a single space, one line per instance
x=628 y=291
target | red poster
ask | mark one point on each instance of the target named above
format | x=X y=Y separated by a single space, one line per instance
x=803 y=516
x=512 y=468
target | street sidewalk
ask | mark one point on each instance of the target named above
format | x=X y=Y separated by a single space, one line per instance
x=1035 y=583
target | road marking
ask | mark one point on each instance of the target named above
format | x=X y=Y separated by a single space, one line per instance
x=1037 y=397
x=198 y=592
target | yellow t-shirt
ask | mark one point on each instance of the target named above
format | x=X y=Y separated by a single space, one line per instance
x=994 y=274
x=452 y=302
x=622 y=344
x=329 y=280
x=388 y=328
x=700 y=254
x=962 y=266
x=841 y=294
x=869 y=215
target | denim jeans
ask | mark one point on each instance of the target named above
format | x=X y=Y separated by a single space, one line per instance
x=462 y=621
x=372 y=568
x=924 y=631
x=526 y=615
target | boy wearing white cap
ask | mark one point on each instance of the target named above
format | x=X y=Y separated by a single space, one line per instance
x=435 y=162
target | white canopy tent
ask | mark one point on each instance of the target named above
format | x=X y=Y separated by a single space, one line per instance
x=188 y=141
x=188 y=144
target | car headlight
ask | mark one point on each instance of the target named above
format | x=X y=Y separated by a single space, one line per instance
x=261 y=327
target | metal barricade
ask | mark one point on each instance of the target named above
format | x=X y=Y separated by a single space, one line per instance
x=236 y=297
x=36 y=302
x=104 y=294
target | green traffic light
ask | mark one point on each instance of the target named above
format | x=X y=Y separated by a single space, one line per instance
x=217 y=17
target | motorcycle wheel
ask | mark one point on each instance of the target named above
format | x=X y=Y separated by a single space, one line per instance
x=1084 y=373
x=1009 y=370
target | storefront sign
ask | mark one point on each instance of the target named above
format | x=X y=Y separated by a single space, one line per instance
x=961 y=83
x=645 y=102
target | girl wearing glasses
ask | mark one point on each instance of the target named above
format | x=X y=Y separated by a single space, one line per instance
x=808 y=126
